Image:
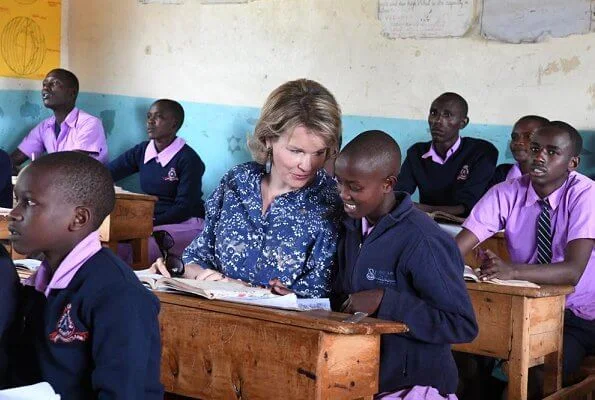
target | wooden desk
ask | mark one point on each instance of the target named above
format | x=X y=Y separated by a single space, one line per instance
x=496 y=243
x=218 y=350
x=523 y=326
x=130 y=221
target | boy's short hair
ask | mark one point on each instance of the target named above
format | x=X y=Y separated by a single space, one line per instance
x=68 y=78
x=377 y=149
x=458 y=98
x=82 y=180
x=537 y=118
x=576 y=139
x=175 y=108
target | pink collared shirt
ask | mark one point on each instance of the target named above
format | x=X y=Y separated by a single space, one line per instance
x=78 y=131
x=513 y=206
x=165 y=156
x=366 y=227
x=436 y=157
x=514 y=172
x=84 y=250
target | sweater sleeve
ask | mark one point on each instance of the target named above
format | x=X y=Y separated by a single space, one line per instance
x=481 y=172
x=406 y=180
x=5 y=180
x=127 y=163
x=439 y=310
x=125 y=329
x=9 y=287
x=190 y=172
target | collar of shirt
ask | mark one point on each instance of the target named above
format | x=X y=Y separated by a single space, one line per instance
x=165 y=156
x=70 y=120
x=514 y=172
x=554 y=197
x=436 y=157
x=366 y=227
x=84 y=250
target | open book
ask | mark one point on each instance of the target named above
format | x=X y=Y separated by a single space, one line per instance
x=443 y=217
x=39 y=391
x=472 y=275
x=232 y=291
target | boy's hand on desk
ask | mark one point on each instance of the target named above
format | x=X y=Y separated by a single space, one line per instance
x=278 y=288
x=366 y=301
x=158 y=267
x=493 y=266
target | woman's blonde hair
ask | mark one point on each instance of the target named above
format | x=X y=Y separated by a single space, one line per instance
x=302 y=102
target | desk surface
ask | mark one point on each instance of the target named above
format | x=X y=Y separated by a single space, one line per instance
x=543 y=291
x=326 y=321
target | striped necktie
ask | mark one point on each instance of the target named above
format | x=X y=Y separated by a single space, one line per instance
x=544 y=234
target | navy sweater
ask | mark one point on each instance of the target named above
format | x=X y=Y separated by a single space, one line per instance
x=180 y=195
x=463 y=179
x=5 y=180
x=9 y=289
x=420 y=269
x=96 y=339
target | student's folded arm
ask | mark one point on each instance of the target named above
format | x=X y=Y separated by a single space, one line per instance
x=406 y=180
x=481 y=172
x=439 y=309
x=125 y=326
x=126 y=164
x=188 y=193
x=466 y=241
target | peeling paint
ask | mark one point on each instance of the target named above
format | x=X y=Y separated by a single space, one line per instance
x=564 y=65
x=591 y=92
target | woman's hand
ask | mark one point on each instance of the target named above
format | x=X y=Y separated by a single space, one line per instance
x=192 y=271
x=278 y=288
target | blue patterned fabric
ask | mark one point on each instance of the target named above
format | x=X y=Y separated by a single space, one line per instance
x=295 y=240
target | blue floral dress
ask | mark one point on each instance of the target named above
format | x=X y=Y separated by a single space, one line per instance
x=295 y=240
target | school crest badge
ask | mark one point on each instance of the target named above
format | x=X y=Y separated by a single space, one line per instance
x=463 y=173
x=172 y=176
x=66 y=331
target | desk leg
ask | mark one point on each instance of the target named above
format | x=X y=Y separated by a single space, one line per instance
x=140 y=253
x=552 y=381
x=518 y=367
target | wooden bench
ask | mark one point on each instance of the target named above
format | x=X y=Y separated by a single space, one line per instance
x=584 y=388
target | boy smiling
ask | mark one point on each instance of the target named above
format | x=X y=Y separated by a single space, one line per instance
x=549 y=224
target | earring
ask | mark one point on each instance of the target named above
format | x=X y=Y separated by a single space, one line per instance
x=269 y=162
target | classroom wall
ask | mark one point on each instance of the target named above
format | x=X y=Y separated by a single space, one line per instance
x=222 y=60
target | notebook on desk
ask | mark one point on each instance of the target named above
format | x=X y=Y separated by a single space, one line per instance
x=470 y=274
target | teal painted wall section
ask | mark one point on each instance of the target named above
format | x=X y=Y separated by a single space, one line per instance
x=218 y=132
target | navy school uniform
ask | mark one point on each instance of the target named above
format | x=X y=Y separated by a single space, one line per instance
x=9 y=290
x=177 y=185
x=97 y=338
x=420 y=269
x=462 y=179
x=5 y=180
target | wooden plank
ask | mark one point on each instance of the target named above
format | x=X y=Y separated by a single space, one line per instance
x=552 y=379
x=518 y=365
x=327 y=321
x=214 y=355
x=493 y=314
x=541 y=344
x=543 y=291
x=132 y=218
x=350 y=365
x=544 y=314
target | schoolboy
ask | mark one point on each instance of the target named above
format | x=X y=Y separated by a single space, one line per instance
x=5 y=180
x=519 y=147
x=451 y=172
x=549 y=224
x=9 y=287
x=394 y=262
x=170 y=170
x=90 y=328
x=68 y=129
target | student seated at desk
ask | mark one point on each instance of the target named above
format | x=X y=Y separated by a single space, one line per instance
x=451 y=172
x=170 y=170
x=9 y=293
x=519 y=146
x=549 y=224
x=68 y=129
x=275 y=221
x=5 y=180
x=395 y=263
x=89 y=327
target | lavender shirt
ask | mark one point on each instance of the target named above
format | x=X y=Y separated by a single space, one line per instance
x=436 y=157
x=78 y=131
x=514 y=172
x=84 y=250
x=512 y=206
x=165 y=156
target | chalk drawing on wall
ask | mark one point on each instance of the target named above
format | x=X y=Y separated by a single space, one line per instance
x=516 y=21
x=29 y=38
x=425 y=18
x=234 y=143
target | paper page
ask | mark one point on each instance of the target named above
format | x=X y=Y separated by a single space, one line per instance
x=287 y=302
x=314 y=304
x=29 y=263
x=216 y=289
x=39 y=391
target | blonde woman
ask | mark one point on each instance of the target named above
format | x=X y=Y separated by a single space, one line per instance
x=274 y=221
